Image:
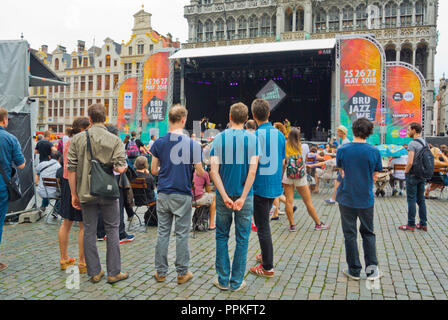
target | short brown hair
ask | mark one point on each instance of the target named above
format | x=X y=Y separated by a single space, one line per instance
x=177 y=112
x=141 y=163
x=251 y=125
x=47 y=134
x=362 y=128
x=97 y=113
x=79 y=124
x=3 y=114
x=260 y=109
x=416 y=126
x=239 y=113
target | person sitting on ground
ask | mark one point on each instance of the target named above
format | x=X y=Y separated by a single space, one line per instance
x=397 y=175
x=203 y=195
x=48 y=169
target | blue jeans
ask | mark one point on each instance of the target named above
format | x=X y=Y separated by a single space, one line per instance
x=4 y=201
x=243 y=220
x=415 y=191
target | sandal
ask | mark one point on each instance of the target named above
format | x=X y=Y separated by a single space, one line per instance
x=67 y=263
x=82 y=268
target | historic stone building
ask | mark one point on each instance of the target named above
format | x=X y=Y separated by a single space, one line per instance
x=406 y=28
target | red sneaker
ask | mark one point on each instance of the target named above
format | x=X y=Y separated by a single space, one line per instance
x=406 y=228
x=259 y=271
x=420 y=227
x=259 y=258
x=254 y=227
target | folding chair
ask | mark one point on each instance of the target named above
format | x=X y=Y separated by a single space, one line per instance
x=200 y=213
x=52 y=183
x=396 y=168
x=142 y=199
x=441 y=170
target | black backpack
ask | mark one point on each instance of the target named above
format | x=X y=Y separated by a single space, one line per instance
x=423 y=166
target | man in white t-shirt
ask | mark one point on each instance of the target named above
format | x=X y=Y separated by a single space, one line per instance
x=397 y=175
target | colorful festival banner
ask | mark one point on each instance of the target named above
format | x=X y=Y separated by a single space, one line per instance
x=404 y=102
x=127 y=106
x=156 y=84
x=361 y=63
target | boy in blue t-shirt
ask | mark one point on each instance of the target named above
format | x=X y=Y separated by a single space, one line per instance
x=234 y=164
x=360 y=162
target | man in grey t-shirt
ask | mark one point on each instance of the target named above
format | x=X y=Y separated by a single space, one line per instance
x=415 y=186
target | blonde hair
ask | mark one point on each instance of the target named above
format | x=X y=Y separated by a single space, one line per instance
x=177 y=112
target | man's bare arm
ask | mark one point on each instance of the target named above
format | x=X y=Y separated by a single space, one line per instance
x=155 y=166
x=410 y=162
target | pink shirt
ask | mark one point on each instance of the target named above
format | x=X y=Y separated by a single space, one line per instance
x=199 y=184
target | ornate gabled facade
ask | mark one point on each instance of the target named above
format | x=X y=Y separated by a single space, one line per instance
x=406 y=28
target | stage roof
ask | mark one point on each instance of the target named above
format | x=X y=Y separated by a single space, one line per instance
x=270 y=47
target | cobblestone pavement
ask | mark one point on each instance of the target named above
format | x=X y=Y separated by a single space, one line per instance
x=308 y=263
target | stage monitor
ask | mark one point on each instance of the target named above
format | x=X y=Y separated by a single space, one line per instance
x=272 y=93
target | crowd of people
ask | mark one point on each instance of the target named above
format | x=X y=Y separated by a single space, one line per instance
x=241 y=176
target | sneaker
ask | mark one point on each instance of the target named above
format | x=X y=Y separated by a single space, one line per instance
x=185 y=278
x=129 y=238
x=275 y=218
x=375 y=275
x=259 y=271
x=54 y=215
x=159 y=278
x=241 y=287
x=420 y=227
x=347 y=273
x=254 y=227
x=292 y=228
x=329 y=201
x=102 y=239
x=220 y=287
x=97 y=278
x=259 y=258
x=119 y=277
x=321 y=227
x=281 y=213
x=406 y=228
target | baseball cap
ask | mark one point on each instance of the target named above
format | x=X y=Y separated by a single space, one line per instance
x=321 y=147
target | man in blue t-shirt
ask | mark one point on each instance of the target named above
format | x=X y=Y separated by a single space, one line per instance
x=10 y=153
x=173 y=159
x=268 y=183
x=360 y=163
x=234 y=163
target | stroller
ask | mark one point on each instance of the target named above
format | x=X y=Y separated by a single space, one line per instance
x=382 y=181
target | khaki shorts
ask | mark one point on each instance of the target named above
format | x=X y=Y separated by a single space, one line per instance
x=205 y=200
x=295 y=182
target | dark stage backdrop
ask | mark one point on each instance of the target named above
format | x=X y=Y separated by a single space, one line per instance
x=20 y=126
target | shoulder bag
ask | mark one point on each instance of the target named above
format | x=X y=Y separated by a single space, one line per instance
x=13 y=185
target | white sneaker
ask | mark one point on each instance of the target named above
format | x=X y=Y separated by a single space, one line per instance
x=220 y=287
x=375 y=275
x=241 y=287
x=281 y=213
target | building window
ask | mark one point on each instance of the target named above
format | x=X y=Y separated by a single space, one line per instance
x=127 y=68
x=347 y=17
x=89 y=102
x=83 y=83
x=107 y=82
x=253 y=27
x=231 y=28
x=139 y=67
x=130 y=51
x=101 y=63
x=219 y=29
x=406 y=55
x=90 y=83
x=56 y=64
x=242 y=27
x=209 y=30
x=321 y=20
x=419 y=12
x=85 y=62
x=334 y=19
x=99 y=84
x=115 y=63
x=361 y=16
x=108 y=61
x=75 y=63
x=69 y=82
x=421 y=57
x=56 y=89
x=98 y=101
x=76 y=84
x=140 y=48
x=115 y=81
x=391 y=14
x=406 y=13
x=265 y=25
x=106 y=104
x=82 y=107
x=273 y=24
x=200 y=32
x=391 y=54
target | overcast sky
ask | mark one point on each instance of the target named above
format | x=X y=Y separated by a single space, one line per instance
x=54 y=22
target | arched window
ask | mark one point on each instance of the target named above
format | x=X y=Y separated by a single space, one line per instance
x=231 y=28
x=334 y=19
x=347 y=17
x=406 y=55
x=300 y=19
x=419 y=12
x=289 y=17
x=265 y=25
x=421 y=58
x=75 y=63
x=56 y=64
x=200 y=32
x=321 y=20
x=391 y=53
x=391 y=14
x=242 y=27
x=361 y=16
x=208 y=30
x=107 y=61
x=274 y=24
x=406 y=13
x=380 y=12
x=219 y=29
x=253 y=27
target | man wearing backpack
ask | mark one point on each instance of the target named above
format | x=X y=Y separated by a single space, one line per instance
x=134 y=148
x=420 y=167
